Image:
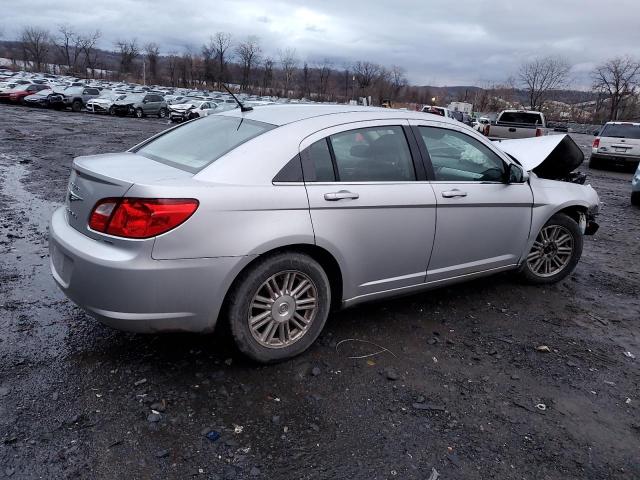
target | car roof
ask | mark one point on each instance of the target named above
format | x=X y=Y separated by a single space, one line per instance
x=635 y=124
x=283 y=114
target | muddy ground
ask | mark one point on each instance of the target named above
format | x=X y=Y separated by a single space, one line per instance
x=456 y=391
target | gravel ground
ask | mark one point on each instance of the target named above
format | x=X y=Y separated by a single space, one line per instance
x=456 y=390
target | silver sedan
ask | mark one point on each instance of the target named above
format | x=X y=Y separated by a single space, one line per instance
x=269 y=219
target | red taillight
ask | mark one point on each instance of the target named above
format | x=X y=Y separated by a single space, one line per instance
x=596 y=143
x=140 y=217
x=487 y=127
x=538 y=132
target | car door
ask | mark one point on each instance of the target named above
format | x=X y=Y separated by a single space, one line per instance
x=151 y=105
x=483 y=222
x=370 y=204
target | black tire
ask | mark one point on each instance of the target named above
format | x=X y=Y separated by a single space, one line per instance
x=163 y=113
x=571 y=226
x=193 y=115
x=139 y=113
x=635 y=199
x=595 y=163
x=112 y=110
x=76 y=106
x=248 y=284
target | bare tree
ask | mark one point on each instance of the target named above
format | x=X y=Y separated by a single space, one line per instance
x=172 y=67
x=267 y=75
x=208 y=59
x=398 y=79
x=366 y=73
x=68 y=43
x=289 y=63
x=618 y=79
x=129 y=51
x=152 y=52
x=88 y=44
x=542 y=75
x=324 y=71
x=222 y=43
x=249 y=54
x=35 y=42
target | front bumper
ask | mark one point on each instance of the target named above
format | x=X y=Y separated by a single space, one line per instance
x=123 y=287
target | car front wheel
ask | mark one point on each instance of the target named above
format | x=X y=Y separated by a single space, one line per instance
x=279 y=306
x=139 y=113
x=76 y=106
x=163 y=113
x=555 y=252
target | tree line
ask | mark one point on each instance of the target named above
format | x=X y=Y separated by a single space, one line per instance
x=245 y=63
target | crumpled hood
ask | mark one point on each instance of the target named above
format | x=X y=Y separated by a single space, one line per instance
x=181 y=106
x=551 y=156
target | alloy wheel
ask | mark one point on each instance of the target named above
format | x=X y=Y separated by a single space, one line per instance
x=551 y=252
x=282 y=309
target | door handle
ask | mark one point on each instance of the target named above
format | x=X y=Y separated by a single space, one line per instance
x=341 y=195
x=454 y=193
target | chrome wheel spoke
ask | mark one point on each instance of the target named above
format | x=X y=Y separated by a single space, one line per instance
x=282 y=309
x=551 y=251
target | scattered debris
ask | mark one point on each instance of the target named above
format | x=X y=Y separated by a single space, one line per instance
x=315 y=371
x=153 y=417
x=629 y=355
x=541 y=406
x=434 y=474
x=390 y=374
x=140 y=382
x=213 y=435
x=382 y=349
x=162 y=453
x=543 y=349
x=238 y=428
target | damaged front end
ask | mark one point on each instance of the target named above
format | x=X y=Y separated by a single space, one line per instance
x=554 y=157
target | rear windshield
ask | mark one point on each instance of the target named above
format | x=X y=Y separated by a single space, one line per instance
x=199 y=143
x=521 y=117
x=624 y=130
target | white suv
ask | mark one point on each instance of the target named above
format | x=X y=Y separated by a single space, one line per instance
x=617 y=143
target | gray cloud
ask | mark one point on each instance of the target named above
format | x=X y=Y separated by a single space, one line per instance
x=438 y=42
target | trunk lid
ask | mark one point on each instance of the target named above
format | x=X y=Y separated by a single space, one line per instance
x=553 y=156
x=109 y=176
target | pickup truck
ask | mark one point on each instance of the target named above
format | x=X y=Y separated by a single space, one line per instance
x=514 y=124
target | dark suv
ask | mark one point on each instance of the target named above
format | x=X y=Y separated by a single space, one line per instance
x=140 y=105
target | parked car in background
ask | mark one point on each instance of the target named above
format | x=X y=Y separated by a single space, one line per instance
x=47 y=98
x=635 y=187
x=517 y=124
x=481 y=124
x=193 y=109
x=76 y=97
x=219 y=212
x=442 y=111
x=103 y=103
x=140 y=105
x=18 y=93
x=617 y=143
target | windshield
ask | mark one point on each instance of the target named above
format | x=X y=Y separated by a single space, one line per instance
x=134 y=97
x=521 y=117
x=195 y=145
x=73 y=90
x=621 y=130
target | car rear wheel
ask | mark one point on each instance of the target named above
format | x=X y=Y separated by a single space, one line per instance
x=163 y=113
x=112 y=110
x=279 y=306
x=76 y=106
x=139 y=113
x=635 y=198
x=555 y=252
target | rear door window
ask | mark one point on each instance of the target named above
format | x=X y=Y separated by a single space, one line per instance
x=195 y=145
x=317 y=163
x=521 y=117
x=377 y=154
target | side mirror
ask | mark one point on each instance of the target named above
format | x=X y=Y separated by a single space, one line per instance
x=514 y=173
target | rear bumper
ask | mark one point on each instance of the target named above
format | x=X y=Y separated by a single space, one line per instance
x=615 y=158
x=123 y=287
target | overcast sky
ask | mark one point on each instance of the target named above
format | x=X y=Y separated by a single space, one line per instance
x=438 y=42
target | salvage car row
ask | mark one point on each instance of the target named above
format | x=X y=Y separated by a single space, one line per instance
x=116 y=98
